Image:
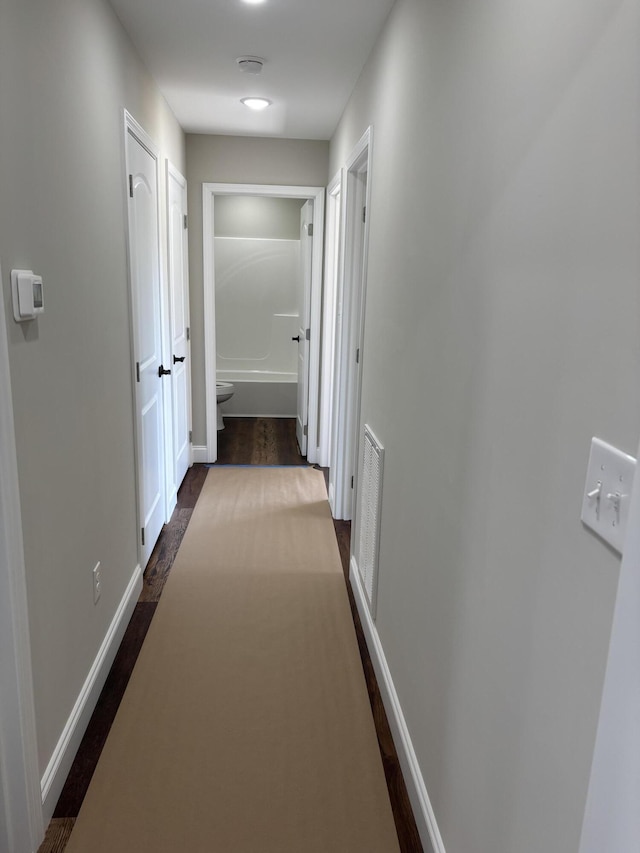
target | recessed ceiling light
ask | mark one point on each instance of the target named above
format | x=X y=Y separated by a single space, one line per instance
x=256 y=103
x=253 y=2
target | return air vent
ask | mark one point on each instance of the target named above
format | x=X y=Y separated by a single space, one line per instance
x=369 y=517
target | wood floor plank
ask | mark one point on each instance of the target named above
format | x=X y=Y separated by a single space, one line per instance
x=163 y=555
x=57 y=835
x=259 y=441
x=235 y=442
x=191 y=487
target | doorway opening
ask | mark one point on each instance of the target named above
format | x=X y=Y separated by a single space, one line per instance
x=259 y=241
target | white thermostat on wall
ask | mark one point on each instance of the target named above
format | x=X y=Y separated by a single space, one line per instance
x=28 y=298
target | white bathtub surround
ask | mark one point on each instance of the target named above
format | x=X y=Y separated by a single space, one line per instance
x=257 y=322
x=256 y=303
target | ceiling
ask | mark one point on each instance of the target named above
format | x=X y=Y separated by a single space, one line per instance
x=314 y=51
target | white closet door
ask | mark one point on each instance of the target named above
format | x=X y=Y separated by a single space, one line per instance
x=179 y=322
x=150 y=376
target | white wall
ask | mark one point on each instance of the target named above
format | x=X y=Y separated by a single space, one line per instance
x=67 y=71
x=503 y=313
x=240 y=160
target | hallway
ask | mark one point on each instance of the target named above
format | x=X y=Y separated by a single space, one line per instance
x=245 y=441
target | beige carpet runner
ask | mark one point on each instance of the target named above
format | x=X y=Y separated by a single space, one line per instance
x=246 y=726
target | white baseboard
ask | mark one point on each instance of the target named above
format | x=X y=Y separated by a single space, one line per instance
x=199 y=453
x=422 y=809
x=58 y=768
x=263 y=415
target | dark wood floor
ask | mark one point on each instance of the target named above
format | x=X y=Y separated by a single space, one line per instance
x=245 y=441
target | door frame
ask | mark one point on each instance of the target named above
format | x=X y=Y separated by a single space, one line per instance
x=315 y=194
x=303 y=292
x=347 y=384
x=20 y=789
x=135 y=129
x=331 y=322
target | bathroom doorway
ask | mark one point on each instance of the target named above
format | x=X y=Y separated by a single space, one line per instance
x=262 y=334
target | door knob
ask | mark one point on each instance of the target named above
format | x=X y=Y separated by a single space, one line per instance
x=178 y=358
x=162 y=371
x=297 y=338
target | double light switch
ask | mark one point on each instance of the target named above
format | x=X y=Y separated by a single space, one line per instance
x=605 y=506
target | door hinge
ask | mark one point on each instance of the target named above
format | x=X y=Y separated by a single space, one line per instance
x=358 y=356
x=188 y=333
x=130 y=186
x=307 y=334
x=142 y=534
x=305 y=430
x=352 y=482
x=310 y=229
x=190 y=436
x=185 y=222
x=364 y=213
x=137 y=371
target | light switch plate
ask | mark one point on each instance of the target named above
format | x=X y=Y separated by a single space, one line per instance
x=607 y=493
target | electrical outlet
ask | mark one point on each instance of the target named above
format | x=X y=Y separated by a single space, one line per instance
x=97 y=588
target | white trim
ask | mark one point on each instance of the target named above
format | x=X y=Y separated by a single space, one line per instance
x=416 y=788
x=22 y=821
x=316 y=194
x=260 y=415
x=60 y=763
x=131 y=124
x=332 y=282
x=200 y=453
x=208 y=279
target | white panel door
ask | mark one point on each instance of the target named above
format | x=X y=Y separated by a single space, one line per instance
x=179 y=322
x=304 y=312
x=146 y=298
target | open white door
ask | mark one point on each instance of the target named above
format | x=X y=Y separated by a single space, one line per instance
x=304 y=330
x=179 y=324
x=146 y=319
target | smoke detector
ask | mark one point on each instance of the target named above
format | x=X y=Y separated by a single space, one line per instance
x=250 y=64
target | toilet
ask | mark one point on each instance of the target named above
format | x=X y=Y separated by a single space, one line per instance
x=224 y=391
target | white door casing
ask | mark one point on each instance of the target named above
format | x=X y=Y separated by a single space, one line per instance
x=349 y=344
x=209 y=192
x=332 y=325
x=179 y=324
x=304 y=325
x=21 y=820
x=146 y=331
